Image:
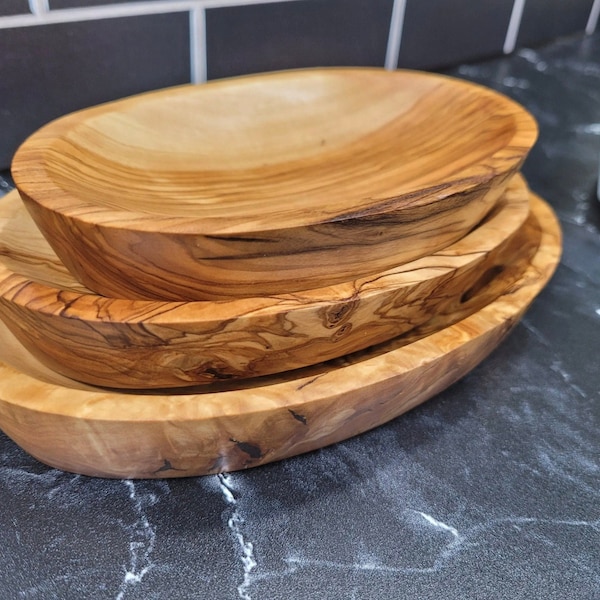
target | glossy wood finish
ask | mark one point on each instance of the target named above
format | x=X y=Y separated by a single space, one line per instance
x=270 y=183
x=98 y=432
x=149 y=344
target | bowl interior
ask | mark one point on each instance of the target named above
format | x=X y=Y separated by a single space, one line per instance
x=284 y=148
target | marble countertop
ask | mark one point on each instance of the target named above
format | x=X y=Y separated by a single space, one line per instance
x=490 y=490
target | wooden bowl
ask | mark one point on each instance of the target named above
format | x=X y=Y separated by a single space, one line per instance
x=270 y=183
x=148 y=344
x=98 y=432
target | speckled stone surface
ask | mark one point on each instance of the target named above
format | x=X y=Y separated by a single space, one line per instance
x=491 y=490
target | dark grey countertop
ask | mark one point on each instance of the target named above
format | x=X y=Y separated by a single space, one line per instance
x=489 y=490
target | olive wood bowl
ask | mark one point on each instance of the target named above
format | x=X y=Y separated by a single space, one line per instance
x=270 y=183
x=124 y=343
x=103 y=433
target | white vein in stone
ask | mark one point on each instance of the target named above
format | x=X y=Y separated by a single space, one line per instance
x=515 y=82
x=459 y=542
x=235 y=523
x=532 y=57
x=142 y=544
x=559 y=467
x=556 y=365
x=591 y=128
x=438 y=524
x=17 y=534
x=60 y=487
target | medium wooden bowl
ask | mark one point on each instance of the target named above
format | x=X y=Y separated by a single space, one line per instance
x=98 y=432
x=150 y=344
x=270 y=183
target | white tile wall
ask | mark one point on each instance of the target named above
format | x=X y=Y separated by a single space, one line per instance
x=41 y=14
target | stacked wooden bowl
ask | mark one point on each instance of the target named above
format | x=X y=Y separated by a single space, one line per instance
x=209 y=278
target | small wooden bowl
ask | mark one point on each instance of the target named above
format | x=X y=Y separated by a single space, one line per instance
x=149 y=344
x=270 y=183
x=103 y=433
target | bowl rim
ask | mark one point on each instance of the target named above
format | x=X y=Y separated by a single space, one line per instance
x=503 y=313
x=78 y=304
x=35 y=183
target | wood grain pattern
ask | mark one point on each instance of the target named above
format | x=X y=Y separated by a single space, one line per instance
x=150 y=344
x=271 y=183
x=97 y=432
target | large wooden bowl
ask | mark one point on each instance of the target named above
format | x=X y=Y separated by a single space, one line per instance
x=98 y=432
x=270 y=183
x=148 y=344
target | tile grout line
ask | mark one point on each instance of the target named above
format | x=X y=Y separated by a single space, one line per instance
x=395 y=35
x=95 y=13
x=510 y=42
x=38 y=7
x=593 y=20
x=198 y=64
x=42 y=15
x=233 y=3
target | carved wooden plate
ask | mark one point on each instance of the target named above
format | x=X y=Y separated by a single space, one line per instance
x=98 y=432
x=270 y=183
x=150 y=344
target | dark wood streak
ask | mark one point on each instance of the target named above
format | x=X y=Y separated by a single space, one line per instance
x=252 y=450
x=298 y=417
x=166 y=466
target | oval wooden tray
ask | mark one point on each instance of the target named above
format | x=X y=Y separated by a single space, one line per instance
x=102 y=433
x=270 y=183
x=150 y=344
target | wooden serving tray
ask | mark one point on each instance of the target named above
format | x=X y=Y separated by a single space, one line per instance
x=103 y=433
x=269 y=183
x=149 y=344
